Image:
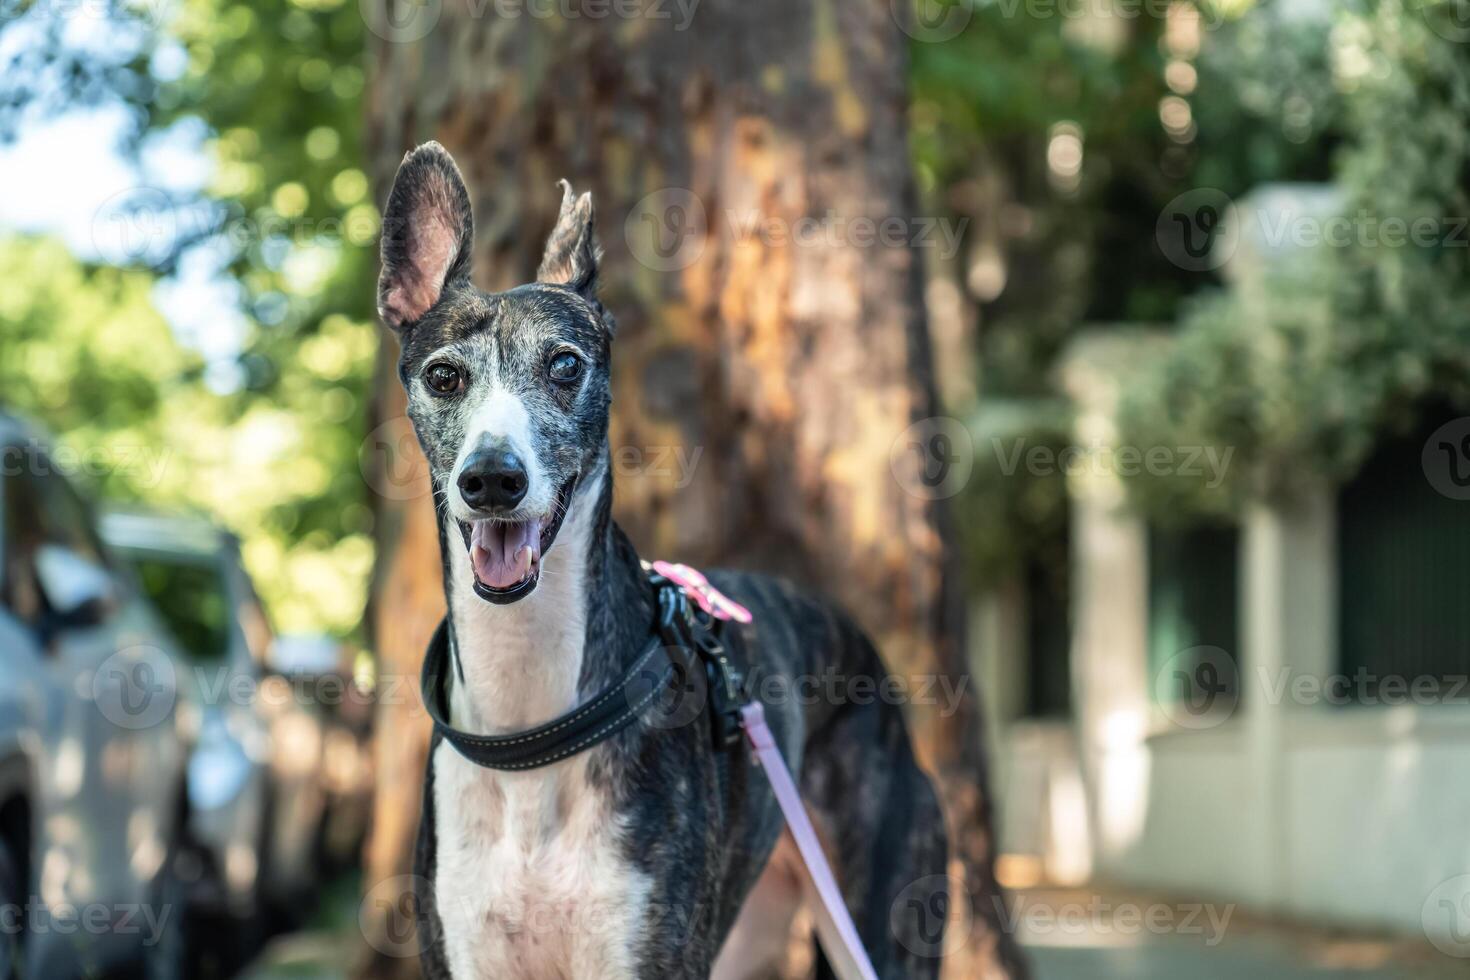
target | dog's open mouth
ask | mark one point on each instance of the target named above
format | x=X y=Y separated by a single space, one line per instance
x=505 y=556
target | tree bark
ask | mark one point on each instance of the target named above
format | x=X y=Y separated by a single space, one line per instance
x=771 y=346
x=407 y=603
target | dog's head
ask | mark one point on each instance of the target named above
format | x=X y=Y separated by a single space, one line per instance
x=508 y=392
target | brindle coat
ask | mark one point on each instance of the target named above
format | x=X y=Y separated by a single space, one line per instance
x=694 y=851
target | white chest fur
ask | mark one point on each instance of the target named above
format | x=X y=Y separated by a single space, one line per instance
x=530 y=879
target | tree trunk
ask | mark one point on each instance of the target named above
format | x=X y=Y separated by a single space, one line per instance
x=407 y=603
x=771 y=353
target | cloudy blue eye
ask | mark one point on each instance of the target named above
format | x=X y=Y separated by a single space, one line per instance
x=565 y=366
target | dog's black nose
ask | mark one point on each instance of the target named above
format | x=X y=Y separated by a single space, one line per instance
x=493 y=478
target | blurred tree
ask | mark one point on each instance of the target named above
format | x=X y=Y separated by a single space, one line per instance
x=271 y=91
x=87 y=353
x=1040 y=123
x=279 y=84
x=1306 y=374
x=761 y=340
x=1062 y=131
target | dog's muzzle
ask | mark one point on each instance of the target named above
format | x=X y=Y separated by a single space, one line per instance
x=506 y=555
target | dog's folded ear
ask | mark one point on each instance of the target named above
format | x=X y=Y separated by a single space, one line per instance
x=572 y=252
x=428 y=235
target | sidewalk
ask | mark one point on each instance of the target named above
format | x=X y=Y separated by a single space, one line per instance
x=325 y=948
x=1177 y=960
x=1069 y=934
x=1072 y=934
x=305 y=956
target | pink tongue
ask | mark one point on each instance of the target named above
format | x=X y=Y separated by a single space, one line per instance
x=504 y=555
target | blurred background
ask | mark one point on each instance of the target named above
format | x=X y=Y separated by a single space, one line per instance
x=1110 y=358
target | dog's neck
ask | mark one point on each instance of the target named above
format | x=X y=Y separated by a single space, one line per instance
x=533 y=660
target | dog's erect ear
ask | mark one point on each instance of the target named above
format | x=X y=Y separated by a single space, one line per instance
x=571 y=251
x=428 y=234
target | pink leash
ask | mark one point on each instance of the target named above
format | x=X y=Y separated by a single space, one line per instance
x=839 y=936
x=840 y=940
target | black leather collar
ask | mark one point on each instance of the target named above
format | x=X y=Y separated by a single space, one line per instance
x=681 y=639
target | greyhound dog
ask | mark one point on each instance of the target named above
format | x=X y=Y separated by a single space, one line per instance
x=644 y=855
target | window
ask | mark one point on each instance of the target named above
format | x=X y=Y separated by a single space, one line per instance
x=191 y=597
x=1403 y=578
x=1193 y=609
x=56 y=572
x=1049 y=628
x=19 y=591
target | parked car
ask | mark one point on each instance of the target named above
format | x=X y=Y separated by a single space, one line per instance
x=176 y=565
x=93 y=743
x=256 y=783
x=343 y=690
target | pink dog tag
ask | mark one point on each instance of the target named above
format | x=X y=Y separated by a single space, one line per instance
x=709 y=598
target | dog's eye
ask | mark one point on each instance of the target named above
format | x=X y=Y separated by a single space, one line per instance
x=564 y=366
x=444 y=379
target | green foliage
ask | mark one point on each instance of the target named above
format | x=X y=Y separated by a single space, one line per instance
x=278 y=87
x=986 y=105
x=1262 y=395
x=1262 y=106
x=1266 y=105
x=87 y=353
x=1408 y=101
x=1010 y=509
x=280 y=83
x=1303 y=382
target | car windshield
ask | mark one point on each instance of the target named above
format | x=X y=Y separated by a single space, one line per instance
x=191 y=596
